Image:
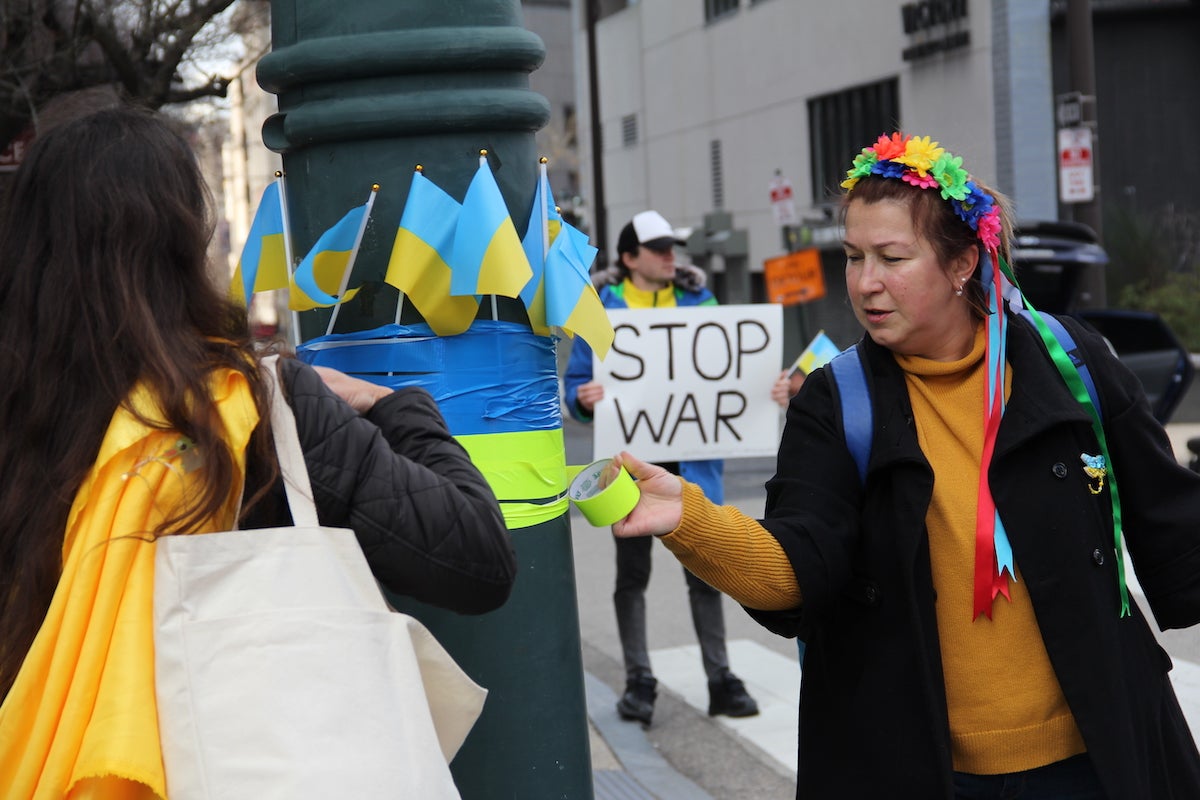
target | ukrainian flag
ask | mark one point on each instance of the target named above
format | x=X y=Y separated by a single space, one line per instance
x=544 y=225
x=318 y=279
x=818 y=353
x=488 y=257
x=421 y=256
x=571 y=300
x=263 y=265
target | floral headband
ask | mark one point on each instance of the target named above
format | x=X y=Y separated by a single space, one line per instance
x=918 y=161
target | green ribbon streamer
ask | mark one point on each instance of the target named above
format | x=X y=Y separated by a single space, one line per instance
x=1070 y=375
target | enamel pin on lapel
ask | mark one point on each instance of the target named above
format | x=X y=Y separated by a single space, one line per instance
x=1094 y=467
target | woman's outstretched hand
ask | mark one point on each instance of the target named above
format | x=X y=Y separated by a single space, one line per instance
x=660 y=507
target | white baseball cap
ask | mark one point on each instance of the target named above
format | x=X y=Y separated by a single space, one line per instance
x=647 y=229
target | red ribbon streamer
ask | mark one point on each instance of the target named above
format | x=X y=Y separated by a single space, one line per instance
x=989 y=582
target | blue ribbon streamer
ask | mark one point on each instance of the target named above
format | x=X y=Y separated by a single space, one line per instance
x=997 y=356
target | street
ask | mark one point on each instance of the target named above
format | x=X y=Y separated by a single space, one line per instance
x=753 y=757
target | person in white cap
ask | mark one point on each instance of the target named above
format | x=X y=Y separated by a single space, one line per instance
x=646 y=275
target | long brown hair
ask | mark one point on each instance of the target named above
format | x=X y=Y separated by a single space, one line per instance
x=104 y=281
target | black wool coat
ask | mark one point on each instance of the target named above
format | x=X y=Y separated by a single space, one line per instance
x=873 y=719
x=428 y=523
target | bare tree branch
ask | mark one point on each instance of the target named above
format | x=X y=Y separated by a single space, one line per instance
x=157 y=52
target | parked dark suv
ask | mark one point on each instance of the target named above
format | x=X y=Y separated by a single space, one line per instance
x=1050 y=258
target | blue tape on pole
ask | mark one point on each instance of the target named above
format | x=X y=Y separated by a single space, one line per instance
x=497 y=377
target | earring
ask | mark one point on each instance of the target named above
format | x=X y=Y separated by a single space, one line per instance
x=958 y=292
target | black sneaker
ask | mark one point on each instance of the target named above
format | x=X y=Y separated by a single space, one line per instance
x=728 y=696
x=638 y=700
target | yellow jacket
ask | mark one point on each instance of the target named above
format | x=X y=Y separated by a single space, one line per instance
x=81 y=718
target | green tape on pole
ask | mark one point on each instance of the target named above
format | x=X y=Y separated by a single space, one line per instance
x=526 y=470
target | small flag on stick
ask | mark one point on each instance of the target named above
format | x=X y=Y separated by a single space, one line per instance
x=544 y=225
x=571 y=300
x=263 y=265
x=488 y=257
x=818 y=353
x=322 y=277
x=422 y=254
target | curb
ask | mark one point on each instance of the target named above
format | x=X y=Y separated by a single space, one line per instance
x=648 y=772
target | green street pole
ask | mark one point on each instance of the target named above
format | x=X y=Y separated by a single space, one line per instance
x=367 y=90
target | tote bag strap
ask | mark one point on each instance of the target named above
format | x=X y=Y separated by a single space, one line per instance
x=287 y=450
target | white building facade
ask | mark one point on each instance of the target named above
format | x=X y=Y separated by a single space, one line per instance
x=702 y=101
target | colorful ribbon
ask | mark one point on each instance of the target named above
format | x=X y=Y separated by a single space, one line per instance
x=1070 y=374
x=993 y=551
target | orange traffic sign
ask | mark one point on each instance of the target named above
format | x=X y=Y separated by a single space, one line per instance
x=794 y=278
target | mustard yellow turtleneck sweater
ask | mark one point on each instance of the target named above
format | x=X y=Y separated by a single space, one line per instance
x=1007 y=711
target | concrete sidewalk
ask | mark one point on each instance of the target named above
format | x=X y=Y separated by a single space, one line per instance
x=625 y=765
x=685 y=754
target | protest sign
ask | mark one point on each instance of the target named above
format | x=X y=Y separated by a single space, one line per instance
x=690 y=383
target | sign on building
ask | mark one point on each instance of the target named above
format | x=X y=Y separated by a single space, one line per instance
x=682 y=384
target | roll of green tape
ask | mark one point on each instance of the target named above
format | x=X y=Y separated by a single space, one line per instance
x=603 y=505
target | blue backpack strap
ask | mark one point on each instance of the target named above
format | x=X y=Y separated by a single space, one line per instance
x=1068 y=344
x=850 y=376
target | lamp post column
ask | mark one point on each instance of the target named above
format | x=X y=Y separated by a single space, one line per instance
x=367 y=90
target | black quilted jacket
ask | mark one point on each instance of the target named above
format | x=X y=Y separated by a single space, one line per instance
x=427 y=520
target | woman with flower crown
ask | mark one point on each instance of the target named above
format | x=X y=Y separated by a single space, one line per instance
x=969 y=630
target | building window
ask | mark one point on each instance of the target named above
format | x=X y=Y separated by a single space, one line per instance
x=715 y=9
x=629 y=134
x=842 y=124
x=718 y=174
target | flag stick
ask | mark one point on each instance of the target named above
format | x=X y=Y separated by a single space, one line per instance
x=400 y=300
x=287 y=249
x=495 y=312
x=353 y=254
x=544 y=209
x=399 y=306
x=544 y=212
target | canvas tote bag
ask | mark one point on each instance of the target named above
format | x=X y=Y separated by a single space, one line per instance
x=281 y=672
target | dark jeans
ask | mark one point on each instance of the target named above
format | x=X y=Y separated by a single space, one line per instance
x=1070 y=779
x=629 y=598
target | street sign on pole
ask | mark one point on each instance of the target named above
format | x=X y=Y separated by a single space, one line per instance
x=1075 y=179
x=794 y=278
x=781 y=200
x=1069 y=110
